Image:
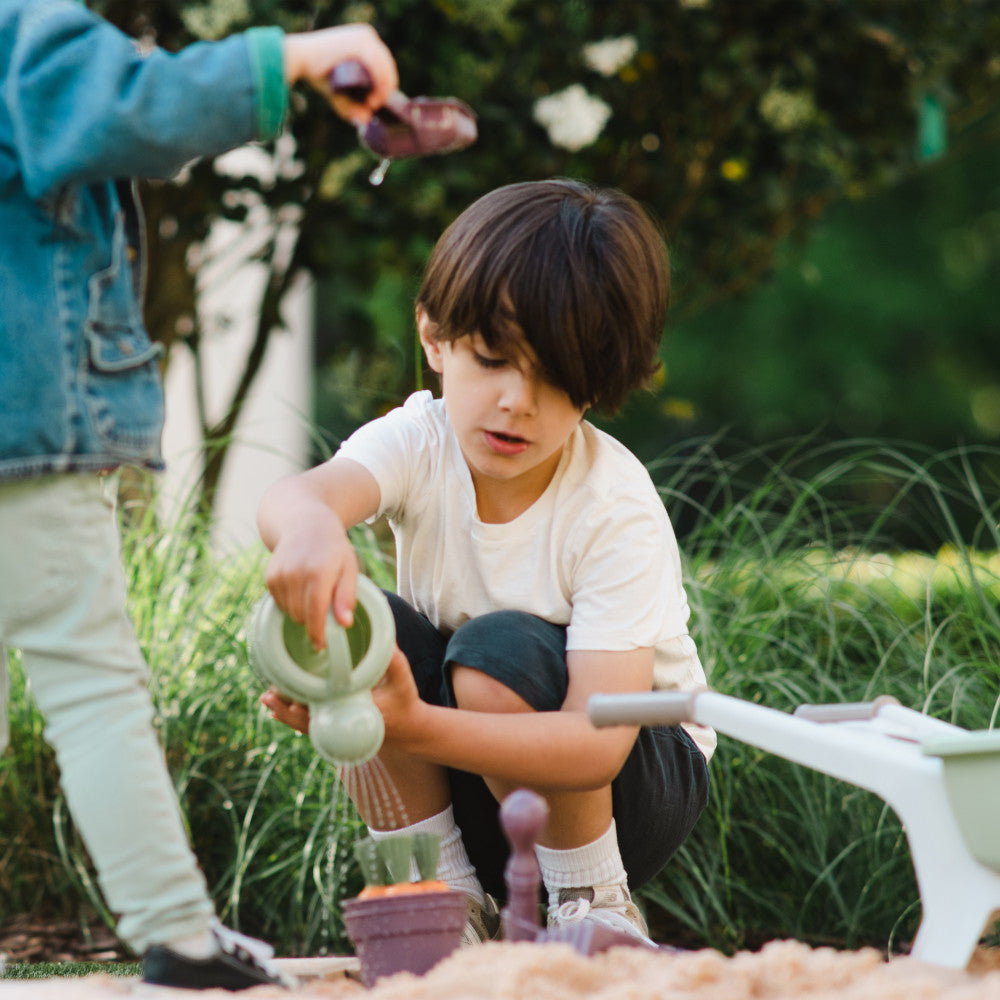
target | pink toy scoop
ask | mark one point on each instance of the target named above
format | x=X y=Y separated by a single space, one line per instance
x=404 y=126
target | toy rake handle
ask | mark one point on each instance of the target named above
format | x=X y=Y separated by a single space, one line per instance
x=648 y=708
x=848 y=711
x=351 y=80
x=670 y=708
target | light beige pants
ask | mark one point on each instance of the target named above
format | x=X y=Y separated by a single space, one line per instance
x=62 y=603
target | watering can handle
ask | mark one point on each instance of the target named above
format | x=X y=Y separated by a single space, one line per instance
x=372 y=665
x=272 y=662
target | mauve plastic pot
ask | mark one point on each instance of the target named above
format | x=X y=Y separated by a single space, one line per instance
x=408 y=932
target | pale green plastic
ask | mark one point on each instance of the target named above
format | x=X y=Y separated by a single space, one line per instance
x=395 y=853
x=345 y=727
x=972 y=781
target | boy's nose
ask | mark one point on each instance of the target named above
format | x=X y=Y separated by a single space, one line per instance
x=518 y=395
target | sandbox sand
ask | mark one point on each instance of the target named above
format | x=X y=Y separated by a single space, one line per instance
x=502 y=971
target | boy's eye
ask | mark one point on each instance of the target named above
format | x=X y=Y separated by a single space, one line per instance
x=487 y=362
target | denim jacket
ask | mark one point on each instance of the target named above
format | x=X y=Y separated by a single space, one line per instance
x=83 y=108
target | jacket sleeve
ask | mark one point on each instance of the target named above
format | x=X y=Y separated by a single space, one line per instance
x=87 y=103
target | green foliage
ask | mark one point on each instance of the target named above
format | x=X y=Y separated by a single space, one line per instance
x=270 y=823
x=31 y=873
x=791 y=604
x=737 y=124
x=882 y=324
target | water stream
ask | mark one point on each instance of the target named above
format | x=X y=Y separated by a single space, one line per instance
x=374 y=794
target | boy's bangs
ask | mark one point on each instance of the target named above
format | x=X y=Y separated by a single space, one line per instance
x=511 y=294
x=578 y=274
x=501 y=328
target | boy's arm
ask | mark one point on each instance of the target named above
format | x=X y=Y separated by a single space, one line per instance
x=304 y=519
x=544 y=750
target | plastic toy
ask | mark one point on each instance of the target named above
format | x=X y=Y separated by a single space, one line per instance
x=942 y=781
x=406 y=126
x=397 y=924
x=345 y=727
x=523 y=815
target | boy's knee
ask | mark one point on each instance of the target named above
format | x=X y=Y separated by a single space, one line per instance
x=479 y=692
x=520 y=661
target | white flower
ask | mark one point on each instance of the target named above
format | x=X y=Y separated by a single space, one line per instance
x=787 y=110
x=217 y=19
x=572 y=117
x=610 y=54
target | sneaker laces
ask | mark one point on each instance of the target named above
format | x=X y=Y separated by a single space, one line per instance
x=575 y=904
x=570 y=912
x=611 y=905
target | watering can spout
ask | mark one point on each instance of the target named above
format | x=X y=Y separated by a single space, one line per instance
x=345 y=726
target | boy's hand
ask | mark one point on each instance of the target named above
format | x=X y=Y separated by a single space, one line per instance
x=291 y=713
x=314 y=569
x=312 y=55
x=304 y=519
x=396 y=697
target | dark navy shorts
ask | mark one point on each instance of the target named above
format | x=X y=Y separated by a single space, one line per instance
x=659 y=792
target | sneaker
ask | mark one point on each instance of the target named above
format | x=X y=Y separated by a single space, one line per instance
x=239 y=963
x=608 y=905
x=482 y=921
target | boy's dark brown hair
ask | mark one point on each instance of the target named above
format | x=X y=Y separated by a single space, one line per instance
x=581 y=272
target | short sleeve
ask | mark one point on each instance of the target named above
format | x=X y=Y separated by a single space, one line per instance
x=398 y=450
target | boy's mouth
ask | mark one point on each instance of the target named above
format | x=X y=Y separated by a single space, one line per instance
x=505 y=444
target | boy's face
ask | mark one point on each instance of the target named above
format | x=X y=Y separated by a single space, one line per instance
x=511 y=423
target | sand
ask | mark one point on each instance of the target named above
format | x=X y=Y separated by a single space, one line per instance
x=503 y=971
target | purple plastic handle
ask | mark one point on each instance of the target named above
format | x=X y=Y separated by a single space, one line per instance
x=523 y=815
x=351 y=80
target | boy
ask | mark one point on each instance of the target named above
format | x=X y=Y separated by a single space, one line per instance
x=80 y=394
x=536 y=563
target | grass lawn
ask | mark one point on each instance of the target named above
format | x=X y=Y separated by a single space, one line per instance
x=69 y=970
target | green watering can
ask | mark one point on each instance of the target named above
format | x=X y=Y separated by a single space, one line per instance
x=345 y=727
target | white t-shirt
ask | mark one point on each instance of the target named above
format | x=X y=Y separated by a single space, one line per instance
x=595 y=553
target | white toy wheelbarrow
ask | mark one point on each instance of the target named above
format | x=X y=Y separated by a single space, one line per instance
x=942 y=781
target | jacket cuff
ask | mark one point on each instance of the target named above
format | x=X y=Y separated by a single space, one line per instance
x=268 y=66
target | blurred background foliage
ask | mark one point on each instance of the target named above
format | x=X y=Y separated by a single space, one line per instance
x=825 y=173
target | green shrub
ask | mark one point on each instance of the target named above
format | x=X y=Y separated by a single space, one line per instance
x=786 y=614
x=795 y=599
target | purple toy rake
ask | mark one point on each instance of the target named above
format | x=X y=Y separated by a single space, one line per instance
x=523 y=815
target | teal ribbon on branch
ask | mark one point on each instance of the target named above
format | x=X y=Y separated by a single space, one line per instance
x=932 y=128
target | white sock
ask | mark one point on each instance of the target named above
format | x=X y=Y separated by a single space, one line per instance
x=195 y=946
x=454 y=866
x=596 y=863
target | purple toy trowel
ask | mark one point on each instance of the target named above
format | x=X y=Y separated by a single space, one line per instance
x=405 y=126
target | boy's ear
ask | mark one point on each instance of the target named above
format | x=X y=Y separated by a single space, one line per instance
x=426 y=328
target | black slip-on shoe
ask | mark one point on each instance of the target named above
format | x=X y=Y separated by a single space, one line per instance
x=239 y=963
